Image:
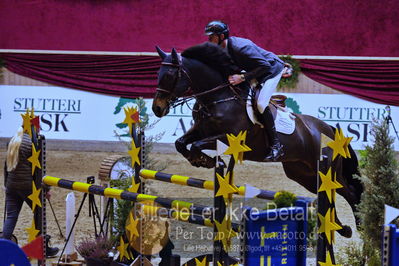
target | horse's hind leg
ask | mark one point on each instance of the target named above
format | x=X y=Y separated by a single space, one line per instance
x=302 y=174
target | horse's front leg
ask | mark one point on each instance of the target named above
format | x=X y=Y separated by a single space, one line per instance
x=188 y=138
x=200 y=159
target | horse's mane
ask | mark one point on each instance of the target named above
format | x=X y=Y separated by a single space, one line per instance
x=214 y=56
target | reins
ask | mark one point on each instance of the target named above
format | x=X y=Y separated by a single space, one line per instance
x=184 y=99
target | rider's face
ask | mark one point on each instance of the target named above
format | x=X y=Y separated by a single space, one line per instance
x=214 y=38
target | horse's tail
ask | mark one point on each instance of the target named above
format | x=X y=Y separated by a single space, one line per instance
x=350 y=168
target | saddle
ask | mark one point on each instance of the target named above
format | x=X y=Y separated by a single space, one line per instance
x=277 y=100
x=283 y=119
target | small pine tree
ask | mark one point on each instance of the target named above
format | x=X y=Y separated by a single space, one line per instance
x=381 y=185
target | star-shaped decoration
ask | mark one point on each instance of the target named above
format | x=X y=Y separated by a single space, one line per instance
x=134 y=154
x=346 y=144
x=329 y=184
x=131 y=117
x=122 y=248
x=32 y=232
x=236 y=145
x=200 y=263
x=328 y=225
x=134 y=187
x=34 y=120
x=34 y=159
x=132 y=227
x=225 y=233
x=34 y=197
x=26 y=123
x=328 y=261
x=243 y=136
x=225 y=188
x=338 y=145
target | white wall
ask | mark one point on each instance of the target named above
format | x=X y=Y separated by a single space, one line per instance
x=78 y=115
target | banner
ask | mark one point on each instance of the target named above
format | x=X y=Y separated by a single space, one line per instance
x=78 y=115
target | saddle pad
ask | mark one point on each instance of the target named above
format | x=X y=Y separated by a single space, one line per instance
x=284 y=121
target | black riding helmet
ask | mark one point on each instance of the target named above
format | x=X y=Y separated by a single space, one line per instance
x=217 y=27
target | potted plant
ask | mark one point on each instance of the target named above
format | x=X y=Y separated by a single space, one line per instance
x=96 y=251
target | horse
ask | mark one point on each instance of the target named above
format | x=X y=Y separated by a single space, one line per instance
x=221 y=108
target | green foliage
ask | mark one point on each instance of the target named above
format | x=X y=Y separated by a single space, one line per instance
x=381 y=186
x=363 y=158
x=354 y=254
x=350 y=255
x=284 y=199
x=122 y=208
x=292 y=81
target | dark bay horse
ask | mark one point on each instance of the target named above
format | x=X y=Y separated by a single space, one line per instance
x=220 y=109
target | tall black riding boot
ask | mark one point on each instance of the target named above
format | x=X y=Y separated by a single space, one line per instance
x=276 y=149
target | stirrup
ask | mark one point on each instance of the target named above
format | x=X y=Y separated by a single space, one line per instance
x=276 y=151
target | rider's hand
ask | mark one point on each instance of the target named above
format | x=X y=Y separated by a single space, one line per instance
x=236 y=79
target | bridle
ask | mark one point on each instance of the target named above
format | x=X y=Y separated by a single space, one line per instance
x=180 y=69
x=174 y=99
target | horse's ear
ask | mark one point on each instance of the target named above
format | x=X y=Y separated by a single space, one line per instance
x=175 y=57
x=161 y=53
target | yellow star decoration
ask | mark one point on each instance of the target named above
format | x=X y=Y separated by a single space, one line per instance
x=328 y=225
x=131 y=117
x=32 y=232
x=243 y=136
x=340 y=144
x=346 y=144
x=200 y=263
x=34 y=197
x=34 y=159
x=134 y=154
x=26 y=123
x=328 y=261
x=237 y=145
x=132 y=227
x=134 y=187
x=225 y=188
x=225 y=233
x=122 y=248
x=328 y=184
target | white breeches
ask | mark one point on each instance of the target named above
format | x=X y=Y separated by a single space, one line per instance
x=268 y=88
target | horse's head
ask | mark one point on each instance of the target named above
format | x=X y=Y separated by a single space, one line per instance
x=173 y=82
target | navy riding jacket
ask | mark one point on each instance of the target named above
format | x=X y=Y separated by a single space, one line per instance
x=257 y=62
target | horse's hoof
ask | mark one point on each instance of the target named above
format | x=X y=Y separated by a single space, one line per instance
x=346 y=231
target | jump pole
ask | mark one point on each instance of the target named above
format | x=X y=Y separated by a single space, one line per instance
x=174 y=209
x=204 y=184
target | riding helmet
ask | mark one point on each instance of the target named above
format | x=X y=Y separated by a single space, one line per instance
x=217 y=27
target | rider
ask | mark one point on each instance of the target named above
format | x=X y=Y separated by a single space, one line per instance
x=259 y=64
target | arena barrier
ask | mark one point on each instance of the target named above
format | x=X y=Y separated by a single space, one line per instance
x=390 y=245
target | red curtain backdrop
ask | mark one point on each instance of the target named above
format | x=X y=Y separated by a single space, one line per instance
x=376 y=81
x=127 y=76
x=305 y=27
x=136 y=76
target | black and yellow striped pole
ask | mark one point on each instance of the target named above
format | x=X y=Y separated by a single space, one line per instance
x=126 y=195
x=175 y=209
x=204 y=184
